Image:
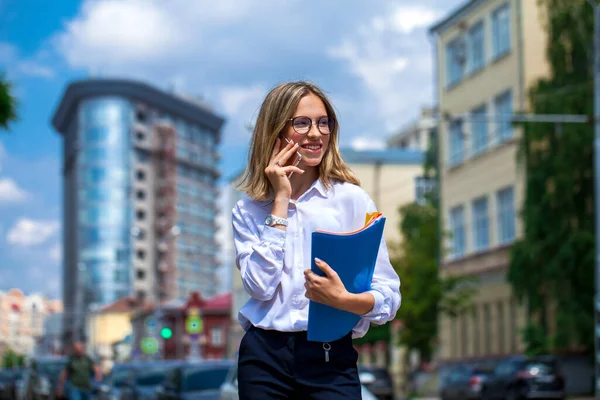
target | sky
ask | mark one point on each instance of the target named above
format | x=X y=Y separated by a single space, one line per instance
x=373 y=58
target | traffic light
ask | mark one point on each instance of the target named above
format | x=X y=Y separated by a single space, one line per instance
x=166 y=333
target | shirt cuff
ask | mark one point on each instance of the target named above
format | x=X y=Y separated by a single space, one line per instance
x=273 y=235
x=379 y=301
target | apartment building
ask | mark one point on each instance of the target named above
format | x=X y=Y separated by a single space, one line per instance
x=488 y=53
x=22 y=319
x=418 y=134
x=139 y=189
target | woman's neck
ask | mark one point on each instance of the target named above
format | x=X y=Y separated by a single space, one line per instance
x=301 y=182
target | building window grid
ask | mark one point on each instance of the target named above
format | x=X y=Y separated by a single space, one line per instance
x=501 y=327
x=476 y=47
x=503 y=111
x=506 y=215
x=501 y=31
x=454 y=61
x=457 y=228
x=457 y=147
x=481 y=228
x=487 y=326
x=479 y=130
x=423 y=186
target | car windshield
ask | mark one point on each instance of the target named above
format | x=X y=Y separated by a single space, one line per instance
x=152 y=377
x=5 y=376
x=204 y=378
x=120 y=376
x=540 y=367
x=50 y=368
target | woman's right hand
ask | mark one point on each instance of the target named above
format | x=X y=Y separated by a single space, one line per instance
x=277 y=172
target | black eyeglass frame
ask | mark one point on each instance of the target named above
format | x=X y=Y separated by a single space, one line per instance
x=329 y=119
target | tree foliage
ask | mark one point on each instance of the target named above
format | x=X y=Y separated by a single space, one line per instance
x=8 y=104
x=10 y=359
x=552 y=266
x=424 y=293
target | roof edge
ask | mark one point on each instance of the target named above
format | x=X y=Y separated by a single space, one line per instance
x=458 y=13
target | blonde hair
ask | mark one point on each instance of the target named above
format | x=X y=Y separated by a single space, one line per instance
x=275 y=111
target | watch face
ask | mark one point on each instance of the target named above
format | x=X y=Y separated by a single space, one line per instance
x=268 y=220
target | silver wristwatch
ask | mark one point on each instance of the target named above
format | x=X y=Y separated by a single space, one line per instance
x=272 y=220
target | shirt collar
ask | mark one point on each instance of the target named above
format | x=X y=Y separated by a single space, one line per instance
x=318 y=185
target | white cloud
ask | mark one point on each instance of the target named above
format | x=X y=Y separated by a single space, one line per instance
x=56 y=253
x=237 y=98
x=33 y=68
x=27 y=232
x=10 y=192
x=362 y=143
x=128 y=30
x=406 y=19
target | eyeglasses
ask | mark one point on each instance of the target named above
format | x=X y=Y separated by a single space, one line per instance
x=303 y=125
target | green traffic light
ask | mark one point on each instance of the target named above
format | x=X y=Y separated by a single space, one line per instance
x=166 y=333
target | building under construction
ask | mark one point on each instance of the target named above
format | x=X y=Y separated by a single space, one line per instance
x=139 y=192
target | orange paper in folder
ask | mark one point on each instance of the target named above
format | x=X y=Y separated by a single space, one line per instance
x=369 y=219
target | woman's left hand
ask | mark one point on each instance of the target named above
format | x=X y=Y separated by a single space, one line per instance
x=328 y=289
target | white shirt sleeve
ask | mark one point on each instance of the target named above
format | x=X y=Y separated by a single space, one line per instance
x=259 y=256
x=385 y=286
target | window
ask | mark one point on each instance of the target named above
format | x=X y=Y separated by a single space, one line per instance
x=513 y=326
x=501 y=328
x=487 y=329
x=476 y=338
x=503 y=106
x=456 y=143
x=465 y=340
x=140 y=254
x=140 y=215
x=423 y=186
x=506 y=215
x=475 y=48
x=140 y=274
x=457 y=227
x=454 y=61
x=481 y=229
x=454 y=338
x=216 y=336
x=501 y=31
x=479 y=129
x=140 y=175
x=140 y=194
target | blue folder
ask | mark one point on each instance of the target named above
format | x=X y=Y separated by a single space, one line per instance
x=353 y=256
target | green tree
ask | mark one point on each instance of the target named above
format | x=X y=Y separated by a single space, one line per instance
x=552 y=265
x=8 y=104
x=424 y=293
x=10 y=359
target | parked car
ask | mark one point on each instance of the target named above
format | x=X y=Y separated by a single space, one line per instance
x=464 y=382
x=42 y=377
x=378 y=381
x=8 y=383
x=195 y=381
x=137 y=380
x=229 y=389
x=523 y=377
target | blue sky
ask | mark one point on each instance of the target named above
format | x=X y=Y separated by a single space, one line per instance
x=374 y=58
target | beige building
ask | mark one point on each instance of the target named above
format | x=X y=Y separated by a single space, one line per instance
x=391 y=177
x=489 y=52
x=417 y=134
x=22 y=319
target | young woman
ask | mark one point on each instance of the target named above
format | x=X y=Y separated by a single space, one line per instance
x=272 y=232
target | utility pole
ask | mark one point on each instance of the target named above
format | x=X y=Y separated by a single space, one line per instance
x=596 y=8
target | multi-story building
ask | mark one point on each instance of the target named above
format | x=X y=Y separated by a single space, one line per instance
x=139 y=189
x=417 y=134
x=22 y=319
x=489 y=52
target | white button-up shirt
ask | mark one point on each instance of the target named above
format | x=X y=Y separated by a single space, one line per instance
x=272 y=261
